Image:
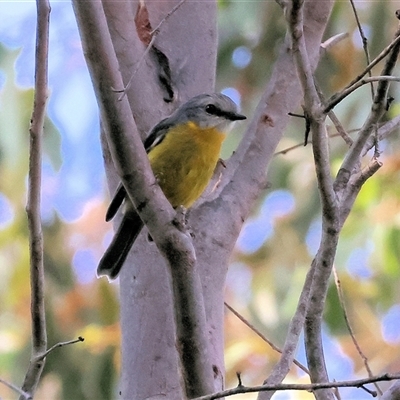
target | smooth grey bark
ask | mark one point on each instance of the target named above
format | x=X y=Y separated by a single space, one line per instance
x=37 y=282
x=150 y=366
x=393 y=393
x=134 y=169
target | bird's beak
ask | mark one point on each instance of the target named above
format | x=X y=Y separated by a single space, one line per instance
x=235 y=116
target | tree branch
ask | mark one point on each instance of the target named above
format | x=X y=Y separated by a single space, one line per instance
x=281 y=369
x=384 y=131
x=359 y=383
x=364 y=40
x=58 y=345
x=393 y=393
x=153 y=34
x=377 y=59
x=378 y=108
x=350 y=329
x=354 y=186
x=245 y=172
x=263 y=337
x=338 y=97
x=38 y=314
x=23 y=395
x=325 y=256
x=134 y=169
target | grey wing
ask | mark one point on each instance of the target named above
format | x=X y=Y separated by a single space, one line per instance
x=155 y=137
x=116 y=202
x=157 y=134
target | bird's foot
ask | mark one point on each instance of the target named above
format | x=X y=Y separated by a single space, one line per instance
x=181 y=220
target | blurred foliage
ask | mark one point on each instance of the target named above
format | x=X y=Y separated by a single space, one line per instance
x=368 y=256
x=73 y=309
x=264 y=282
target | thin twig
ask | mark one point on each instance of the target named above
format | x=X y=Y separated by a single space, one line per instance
x=361 y=177
x=364 y=41
x=384 y=131
x=263 y=337
x=349 y=328
x=377 y=59
x=281 y=369
x=335 y=120
x=349 y=193
x=38 y=314
x=338 y=97
x=138 y=65
x=340 y=129
x=16 y=389
x=393 y=392
x=332 y=116
x=154 y=33
x=297 y=115
x=358 y=383
x=173 y=10
x=296 y=146
x=240 y=384
x=332 y=41
x=288 y=149
x=378 y=108
x=58 y=345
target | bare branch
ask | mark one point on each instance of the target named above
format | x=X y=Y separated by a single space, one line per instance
x=393 y=393
x=323 y=261
x=364 y=41
x=338 y=97
x=137 y=67
x=331 y=136
x=281 y=369
x=23 y=395
x=377 y=59
x=153 y=33
x=349 y=328
x=359 y=383
x=312 y=107
x=138 y=179
x=174 y=9
x=38 y=314
x=388 y=128
x=263 y=337
x=332 y=41
x=264 y=132
x=335 y=120
x=384 y=132
x=352 y=159
x=354 y=186
x=58 y=345
x=331 y=218
x=340 y=129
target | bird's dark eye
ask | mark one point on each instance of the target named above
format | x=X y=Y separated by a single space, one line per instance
x=211 y=109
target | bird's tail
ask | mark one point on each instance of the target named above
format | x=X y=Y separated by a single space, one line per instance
x=116 y=253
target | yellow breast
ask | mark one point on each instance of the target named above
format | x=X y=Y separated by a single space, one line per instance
x=184 y=162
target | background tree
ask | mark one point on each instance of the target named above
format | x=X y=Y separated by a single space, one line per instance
x=296 y=221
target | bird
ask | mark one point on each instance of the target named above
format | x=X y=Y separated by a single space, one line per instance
x=183 y=151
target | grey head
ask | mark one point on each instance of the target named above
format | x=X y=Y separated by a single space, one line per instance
x=208 y=111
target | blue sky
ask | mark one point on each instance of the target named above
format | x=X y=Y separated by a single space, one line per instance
x=72 y=105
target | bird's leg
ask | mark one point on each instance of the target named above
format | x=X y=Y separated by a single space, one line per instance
x=181 y=220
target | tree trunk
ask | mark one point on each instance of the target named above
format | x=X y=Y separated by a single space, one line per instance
x=188 y=40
